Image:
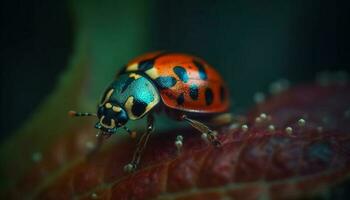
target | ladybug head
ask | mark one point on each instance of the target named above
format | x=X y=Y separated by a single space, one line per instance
x=111 y=116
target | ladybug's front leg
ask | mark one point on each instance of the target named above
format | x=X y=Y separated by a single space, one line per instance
x=141 y=144
x=207 y=133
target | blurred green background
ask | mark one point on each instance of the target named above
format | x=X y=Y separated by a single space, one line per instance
x=251 y=43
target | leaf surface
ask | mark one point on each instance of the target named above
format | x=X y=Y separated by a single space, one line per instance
x=250 y=165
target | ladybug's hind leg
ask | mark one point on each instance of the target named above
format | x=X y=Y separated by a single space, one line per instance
x=141 y=144
x=207 y=133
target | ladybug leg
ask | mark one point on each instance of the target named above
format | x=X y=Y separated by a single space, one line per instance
x=141 y=144
x=207 y=133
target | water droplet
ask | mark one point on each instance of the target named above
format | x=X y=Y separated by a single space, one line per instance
x=94 y=195
x=271 y=128
x=278 y=86
x=37 y=157
x=89 y=145
x=259 y=97
x=263 y=116
x=289 y=130
x=301 y=122
x=258 y=120
x=244 y=128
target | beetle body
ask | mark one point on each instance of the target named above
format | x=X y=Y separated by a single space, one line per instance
x=184 y=86
x=174 y=82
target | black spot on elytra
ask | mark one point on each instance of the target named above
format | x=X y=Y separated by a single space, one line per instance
x=146 y=65
x=222 y=93
x=194 y=92
x=165 y=82
x=180 y=99
x=209 y=96
x=201 y=70
x=127 y=83
x=181 y=73
x=138 y=107
x=149 y=63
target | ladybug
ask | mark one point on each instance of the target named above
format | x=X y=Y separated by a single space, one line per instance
x=183 y=86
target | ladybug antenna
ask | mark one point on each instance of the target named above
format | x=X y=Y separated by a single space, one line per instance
x=80 y=114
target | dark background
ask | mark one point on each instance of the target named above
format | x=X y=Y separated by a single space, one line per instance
x=251 y=43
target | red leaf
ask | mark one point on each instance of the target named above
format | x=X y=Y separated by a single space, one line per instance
x=252 y=164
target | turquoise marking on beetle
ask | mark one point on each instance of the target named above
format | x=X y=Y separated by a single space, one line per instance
x=132 y=96
x=135 y=94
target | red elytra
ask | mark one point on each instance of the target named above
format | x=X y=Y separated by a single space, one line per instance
x=198 y=88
